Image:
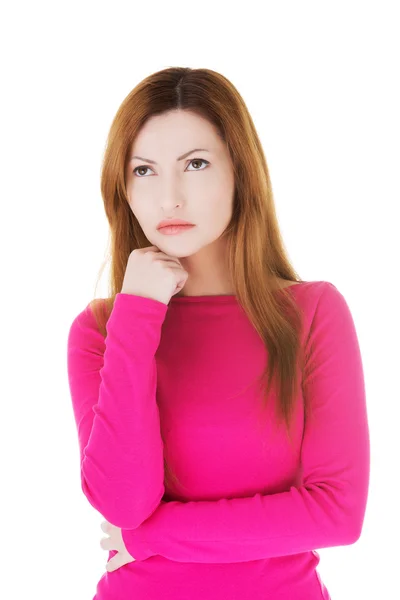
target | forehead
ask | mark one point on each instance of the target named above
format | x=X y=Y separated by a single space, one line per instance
x=176 y=132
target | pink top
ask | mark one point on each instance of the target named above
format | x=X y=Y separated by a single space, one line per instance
x=251 y=512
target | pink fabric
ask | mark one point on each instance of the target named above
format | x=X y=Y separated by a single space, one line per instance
x=251 y=509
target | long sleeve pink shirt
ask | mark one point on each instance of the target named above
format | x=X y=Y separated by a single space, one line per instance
x=252 y=509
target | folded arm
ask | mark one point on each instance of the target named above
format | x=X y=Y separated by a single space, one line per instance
x=327 y=509
x=113 y=389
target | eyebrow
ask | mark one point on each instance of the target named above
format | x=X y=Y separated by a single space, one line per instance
x=153 y=162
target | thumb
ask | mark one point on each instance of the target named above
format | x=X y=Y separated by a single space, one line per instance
x=115 y=562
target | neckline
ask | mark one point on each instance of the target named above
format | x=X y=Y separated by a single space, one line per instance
x=222 y=298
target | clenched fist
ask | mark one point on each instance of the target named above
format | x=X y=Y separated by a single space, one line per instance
x=153 y=274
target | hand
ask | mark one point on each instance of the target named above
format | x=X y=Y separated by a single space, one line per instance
x=115 y=542
x=153 y=274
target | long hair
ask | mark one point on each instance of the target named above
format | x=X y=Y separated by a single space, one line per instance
x=256 y=252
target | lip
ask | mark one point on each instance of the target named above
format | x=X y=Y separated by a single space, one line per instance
x=175 y=229
x=170 y=222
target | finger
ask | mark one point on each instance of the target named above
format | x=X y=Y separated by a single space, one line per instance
x=115 y=563
x=107 y=544
x=160 y=254
x=167 y=257
x=150 y=249
x=105 y=526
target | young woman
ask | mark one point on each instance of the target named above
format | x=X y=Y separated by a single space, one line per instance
x=219 y=399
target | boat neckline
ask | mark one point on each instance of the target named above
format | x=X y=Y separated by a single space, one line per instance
x=224 y=297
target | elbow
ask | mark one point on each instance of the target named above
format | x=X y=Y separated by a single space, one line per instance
x=359 y=518
x=134 y=518
x=353 y=530
x=125 y=512
x=132 y=511
x=124 y=521
x=357 y=531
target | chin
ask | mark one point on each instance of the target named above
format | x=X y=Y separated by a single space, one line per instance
x=174 y=249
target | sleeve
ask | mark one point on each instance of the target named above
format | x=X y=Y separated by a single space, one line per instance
x=112 y=382
x=327 y=509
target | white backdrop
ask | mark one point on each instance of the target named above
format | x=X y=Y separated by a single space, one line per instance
x=321 y=81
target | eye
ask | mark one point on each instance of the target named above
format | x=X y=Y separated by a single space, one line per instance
x=206 y=162
x=199 y=160
x=141 y=167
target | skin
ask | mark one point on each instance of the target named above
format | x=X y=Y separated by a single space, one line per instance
x=175 y=189
x=114 y=541
x=199 y=192
x=198 y=189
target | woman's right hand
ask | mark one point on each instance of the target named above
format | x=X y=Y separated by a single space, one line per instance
x=153 y=274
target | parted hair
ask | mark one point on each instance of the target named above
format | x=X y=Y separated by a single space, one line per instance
x=256 y=254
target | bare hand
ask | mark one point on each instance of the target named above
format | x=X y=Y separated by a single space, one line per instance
x=153 y=274
x=115 y=542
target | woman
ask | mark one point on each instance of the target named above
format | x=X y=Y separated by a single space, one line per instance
x=211 y=486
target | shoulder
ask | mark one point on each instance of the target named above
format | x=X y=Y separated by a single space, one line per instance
x=325 y=293
x=317 y=295
x=322 y=304
x=328 y=313
x=284 y=283
x=84 y=328
x=310 y=289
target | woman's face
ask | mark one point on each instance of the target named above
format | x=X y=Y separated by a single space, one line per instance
x=198 y=187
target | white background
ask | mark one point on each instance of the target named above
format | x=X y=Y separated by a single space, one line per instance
x=321 y=81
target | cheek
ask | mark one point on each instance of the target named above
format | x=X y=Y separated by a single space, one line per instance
x=138 y=210
x=216 y=213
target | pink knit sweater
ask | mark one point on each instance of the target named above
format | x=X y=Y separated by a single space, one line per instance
x=180 y=381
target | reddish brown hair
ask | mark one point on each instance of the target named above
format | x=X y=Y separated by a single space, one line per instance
x=257 y=256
